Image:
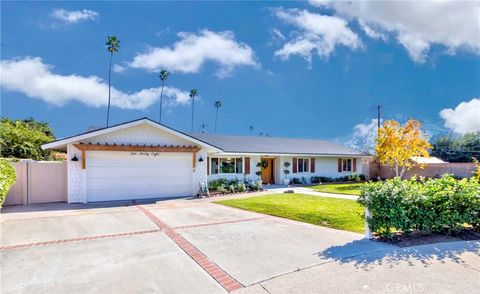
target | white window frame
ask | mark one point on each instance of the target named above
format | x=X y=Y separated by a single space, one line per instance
x=303 y=161
x=234 y=165
x=343 y=164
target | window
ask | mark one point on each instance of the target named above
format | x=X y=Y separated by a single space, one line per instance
x=226 y=165
x=214 y=166
x=303 y=165
x=346 y=165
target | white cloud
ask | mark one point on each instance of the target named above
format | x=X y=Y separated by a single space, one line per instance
x=118 y=68
x=277 y=34
x=35 y=79
x=465 y=118
x=192 y=51
x=317 y=33
x=416 y=25
x=74 y=16
x=364 y=136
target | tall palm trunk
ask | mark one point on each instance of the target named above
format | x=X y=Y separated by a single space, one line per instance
x=109 y=86
x=216 y=119
x=161 y=102
x=193 y=108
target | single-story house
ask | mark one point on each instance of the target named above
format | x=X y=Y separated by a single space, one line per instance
x=144 y=159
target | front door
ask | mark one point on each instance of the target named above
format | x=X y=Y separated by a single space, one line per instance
x=267 y=170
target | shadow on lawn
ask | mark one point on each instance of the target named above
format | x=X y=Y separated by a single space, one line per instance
x=365 y=254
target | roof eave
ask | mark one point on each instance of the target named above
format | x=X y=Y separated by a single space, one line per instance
x=291 y=154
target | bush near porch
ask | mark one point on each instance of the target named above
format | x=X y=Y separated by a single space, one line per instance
x=444 y=205
x=225 y=186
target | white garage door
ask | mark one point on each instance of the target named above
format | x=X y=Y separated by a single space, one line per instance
x=137 y=175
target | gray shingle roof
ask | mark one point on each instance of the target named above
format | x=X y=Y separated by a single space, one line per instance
x=273 y=145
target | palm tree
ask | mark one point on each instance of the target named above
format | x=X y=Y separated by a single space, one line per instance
x=163 y=76
x=193 y=93
x=217 y=105
x=112 y=46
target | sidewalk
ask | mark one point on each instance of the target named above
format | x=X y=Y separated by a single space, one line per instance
x=452 y=267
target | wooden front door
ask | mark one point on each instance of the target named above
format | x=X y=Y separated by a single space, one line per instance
x=267 y=170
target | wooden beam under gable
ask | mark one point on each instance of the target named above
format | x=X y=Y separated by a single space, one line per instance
x=132 y=148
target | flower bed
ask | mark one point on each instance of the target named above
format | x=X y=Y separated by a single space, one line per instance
x=427 y=206
x=225 y=186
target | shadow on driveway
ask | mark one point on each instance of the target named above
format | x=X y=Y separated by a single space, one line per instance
x=392 y=255
x=57 y=206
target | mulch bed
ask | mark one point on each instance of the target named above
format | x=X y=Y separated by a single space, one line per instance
x=416 y=238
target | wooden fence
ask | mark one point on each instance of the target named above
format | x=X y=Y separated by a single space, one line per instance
x=464 y=170
x=38 y=182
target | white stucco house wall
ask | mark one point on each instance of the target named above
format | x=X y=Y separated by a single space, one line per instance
x=142 y=159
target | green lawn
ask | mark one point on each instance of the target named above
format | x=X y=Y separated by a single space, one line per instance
x=350 y=189
x=335 y=213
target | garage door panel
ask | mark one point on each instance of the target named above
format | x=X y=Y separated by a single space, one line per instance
x=122 y=176
x=112 y=183
x=137 y=172
x=126 y=194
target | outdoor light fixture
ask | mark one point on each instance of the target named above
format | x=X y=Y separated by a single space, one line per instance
x=75 y=158
x=200 y=159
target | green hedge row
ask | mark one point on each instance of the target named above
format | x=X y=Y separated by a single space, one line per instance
x=443 y=205
x=7 y=179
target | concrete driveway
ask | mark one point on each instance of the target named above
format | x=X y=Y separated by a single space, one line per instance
x=194 y=246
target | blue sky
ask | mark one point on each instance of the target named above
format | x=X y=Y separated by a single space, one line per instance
x=296 y=69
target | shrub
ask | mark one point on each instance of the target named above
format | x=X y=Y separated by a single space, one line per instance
x=354 y=178
x=296 y=181
x=316 y=180
x=441 y=205
x=221 y=188
x=255 y=186
x=241 y=187
x=7 y=179
x=214 y=184
x=231 y=188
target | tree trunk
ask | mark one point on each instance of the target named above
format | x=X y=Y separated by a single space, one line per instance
x=193 y=108
x=161 y=102
x=216 y=119
x=109 y=86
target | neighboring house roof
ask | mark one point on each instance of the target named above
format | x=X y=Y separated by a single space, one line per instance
x=274 y=145
x=62 y=143
x=426 y=160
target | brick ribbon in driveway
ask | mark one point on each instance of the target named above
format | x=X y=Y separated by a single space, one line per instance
x=223 y=278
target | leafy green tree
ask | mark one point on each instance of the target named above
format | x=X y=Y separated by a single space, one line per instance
x=457 y=149
x=23 y=138
x=163 y=77
x=217 y=105
x=193 y=94
x=7 y=179
x=112 y=46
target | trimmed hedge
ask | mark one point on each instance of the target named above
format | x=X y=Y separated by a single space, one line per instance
x=7 y=179
x=443 y=205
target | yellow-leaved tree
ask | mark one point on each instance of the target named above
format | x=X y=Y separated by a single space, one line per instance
x=397 y=144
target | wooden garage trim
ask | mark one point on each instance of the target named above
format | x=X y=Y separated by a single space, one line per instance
x=144 y=148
